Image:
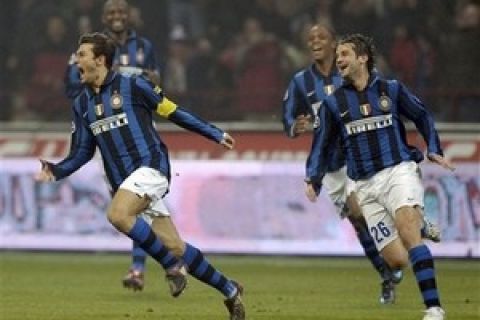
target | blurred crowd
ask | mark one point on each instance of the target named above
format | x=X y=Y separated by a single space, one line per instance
x=231 y=60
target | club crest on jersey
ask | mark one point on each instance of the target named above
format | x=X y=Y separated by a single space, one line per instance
x=140 y=56
x=99 y=109
x=157 y=90
x=328 y=89
x=365 y=109
x=116 y=101
x=385 y=103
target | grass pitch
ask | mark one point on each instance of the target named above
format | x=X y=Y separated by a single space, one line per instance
x=42 y=286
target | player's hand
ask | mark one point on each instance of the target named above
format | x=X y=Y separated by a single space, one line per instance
x=310 y=192
x=438 y=159
x=302 y=123
x=45 y=174
x=228 y=142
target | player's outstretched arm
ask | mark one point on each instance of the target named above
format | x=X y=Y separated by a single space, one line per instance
x=441 y=161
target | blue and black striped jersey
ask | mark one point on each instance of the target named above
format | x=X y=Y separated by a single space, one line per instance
x=370 y=126
x=304 y=96
x=136 y=55
x=119 y=120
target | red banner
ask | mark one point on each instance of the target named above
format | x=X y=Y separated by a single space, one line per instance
x=250 y=145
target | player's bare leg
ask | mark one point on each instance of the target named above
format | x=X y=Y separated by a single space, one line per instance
x=123 y=213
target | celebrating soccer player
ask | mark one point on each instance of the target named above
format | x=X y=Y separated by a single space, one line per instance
x=114 y=113
x=365 y=112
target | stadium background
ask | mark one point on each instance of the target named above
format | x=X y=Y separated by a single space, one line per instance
x=230 y=62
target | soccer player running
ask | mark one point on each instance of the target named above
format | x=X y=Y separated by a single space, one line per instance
x=115 y=113
x=133 y=55
x=301 y=104
x=366 y=113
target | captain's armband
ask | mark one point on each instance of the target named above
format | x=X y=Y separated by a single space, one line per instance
x=166 y=107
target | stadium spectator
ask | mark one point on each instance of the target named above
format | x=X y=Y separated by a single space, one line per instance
x=25 y=42
x=204 y=81
x=176 y=63
x=133 y=55
x=356 y=15
x=44 y=92
x=114 y=113
x=365 y=112
x=308 y=88
x=432 y=25
x=460 y=76
x=83 y=16
x=403 y=55
x=189 y=14
x=259 y=70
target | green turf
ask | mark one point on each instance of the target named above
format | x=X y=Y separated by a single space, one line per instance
x=41 y=286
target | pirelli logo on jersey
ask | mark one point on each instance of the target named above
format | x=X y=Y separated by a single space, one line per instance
x=107 y=124
x=369 y=124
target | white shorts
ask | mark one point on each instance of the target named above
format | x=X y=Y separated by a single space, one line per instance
x=152 y=183
x=381 y=195
x=337 y=183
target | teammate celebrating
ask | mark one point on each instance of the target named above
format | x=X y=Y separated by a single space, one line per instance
x=365 y=112
x=302 y=101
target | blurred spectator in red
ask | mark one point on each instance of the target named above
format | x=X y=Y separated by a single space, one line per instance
x=403 y=55
x=260 y=67
x=461 y=67
x=44 y=92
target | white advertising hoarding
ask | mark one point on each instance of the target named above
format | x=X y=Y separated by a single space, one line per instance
x=222 y=206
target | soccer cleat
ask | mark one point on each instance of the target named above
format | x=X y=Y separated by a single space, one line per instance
x=434 y=313
x=235 y=305
x=387 y=295
x=430 y=231
x=177 y=278
x=134 y=280
x=396 y=276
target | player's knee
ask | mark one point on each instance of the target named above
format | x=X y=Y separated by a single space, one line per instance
x=398 y=262
x=395 y=255
x=117 y=217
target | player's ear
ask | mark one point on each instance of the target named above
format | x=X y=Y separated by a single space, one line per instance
x=101 y=60
x=363 y=58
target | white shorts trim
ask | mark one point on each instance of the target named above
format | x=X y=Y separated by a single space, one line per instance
x=383 y=194
x=152 y=183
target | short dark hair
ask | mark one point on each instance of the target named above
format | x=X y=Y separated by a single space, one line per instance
x=327 y=27
x=102 y=45
x=362 y=45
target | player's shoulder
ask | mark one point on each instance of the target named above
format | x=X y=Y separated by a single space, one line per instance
x=301 y=73
x=147 y=43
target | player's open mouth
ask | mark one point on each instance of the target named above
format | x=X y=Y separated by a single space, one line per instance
x=80 y=69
